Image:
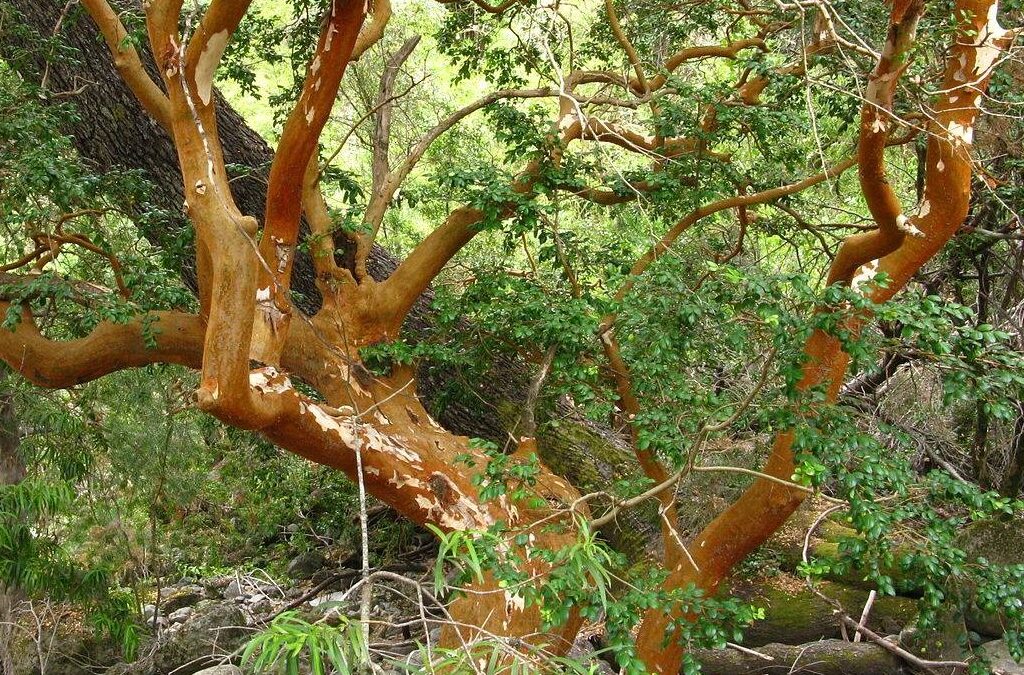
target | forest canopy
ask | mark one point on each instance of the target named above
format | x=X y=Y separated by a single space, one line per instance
x=596 y=333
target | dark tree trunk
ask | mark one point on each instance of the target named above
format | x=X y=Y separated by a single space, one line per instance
x=111 y=130
x=12 y=466
x=982 y=421
x=1013 y=478
x=12 y=470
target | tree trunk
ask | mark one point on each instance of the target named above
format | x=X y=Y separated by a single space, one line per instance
x=111 y=130
x=1013 y=477
x=12 y=470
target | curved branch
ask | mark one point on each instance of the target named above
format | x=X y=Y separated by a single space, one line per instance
x=627 y=46
x=608 y=132
x=876 y=118
x=482 y=4
x=128 y=63
x=728 y=51
x=296 y=150
x=375 y=210
x=381 y=161
x=156 y=337
x=666 y=242
x=420 y=267
x=649 y=462
x=371 y=35
x=764 y=507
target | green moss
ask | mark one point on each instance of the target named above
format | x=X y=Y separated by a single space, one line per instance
x=795 y=616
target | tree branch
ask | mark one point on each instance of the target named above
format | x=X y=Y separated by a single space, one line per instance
x=876 y=117
x=128 y=63
x=207 y=45
x=380 y=14
x=296 y=149
x=176 y=338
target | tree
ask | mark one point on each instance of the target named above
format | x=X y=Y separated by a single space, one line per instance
x=303 y=382
x=139 y=144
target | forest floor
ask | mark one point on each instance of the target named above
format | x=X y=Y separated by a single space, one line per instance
x=202 y=625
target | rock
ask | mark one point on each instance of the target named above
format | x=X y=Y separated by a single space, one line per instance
x=148 y=612
x=233 y=590
x=215 y=585
x=176 y=597
x=70 y=648
x=330 y=597
x=946 y=641
x=214 y=630
x=1000 y=661
x=221 y=670
x=305 y=565
x=998 y=542
x=180 y=615
x=270 y=590
x=259 y=604
x=828 y=657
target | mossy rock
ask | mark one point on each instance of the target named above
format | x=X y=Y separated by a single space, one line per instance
x=1000 y=660
x=947 y=641
x=1000 y=542
x=788 y=544
x=796 y=615
x=827 y=657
